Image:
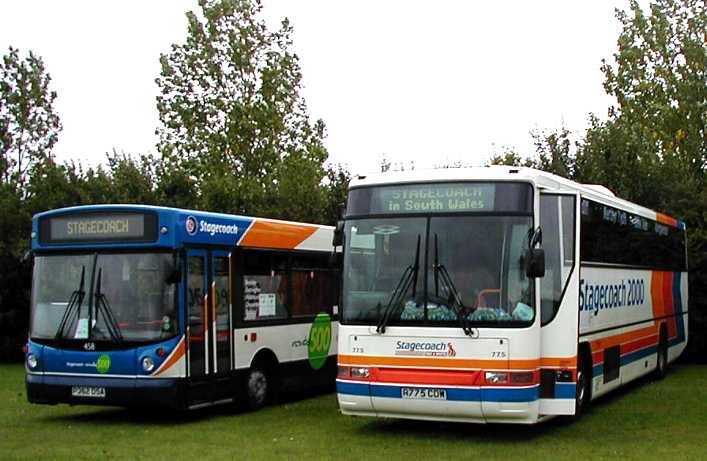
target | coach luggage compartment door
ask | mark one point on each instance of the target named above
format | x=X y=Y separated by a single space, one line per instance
x=559 y=312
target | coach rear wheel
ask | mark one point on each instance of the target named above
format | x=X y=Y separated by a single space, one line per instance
x=257 y=387
x=661 y=368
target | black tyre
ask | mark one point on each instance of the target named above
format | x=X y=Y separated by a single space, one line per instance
x=661 y=368
x=584 y=382
x=258 y=388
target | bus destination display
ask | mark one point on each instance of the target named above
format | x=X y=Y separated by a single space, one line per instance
x=95 y=227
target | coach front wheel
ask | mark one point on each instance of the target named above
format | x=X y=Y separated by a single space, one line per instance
x=583 y=389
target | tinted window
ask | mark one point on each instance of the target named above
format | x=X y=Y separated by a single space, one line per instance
x=614 y=236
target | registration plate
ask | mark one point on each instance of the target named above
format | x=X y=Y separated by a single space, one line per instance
x=88 y=391
x=423 y=393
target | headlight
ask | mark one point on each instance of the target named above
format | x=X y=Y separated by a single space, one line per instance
x=496 y=378
x=360 y=372
x=32 y=361
x=148 y=364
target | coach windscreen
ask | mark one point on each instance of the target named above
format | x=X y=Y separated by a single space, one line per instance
x=442 y=254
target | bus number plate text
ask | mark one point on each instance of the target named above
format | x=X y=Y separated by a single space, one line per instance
x=88 y=391
x=423 y=393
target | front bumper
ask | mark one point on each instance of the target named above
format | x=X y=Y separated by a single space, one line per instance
x=124 y=392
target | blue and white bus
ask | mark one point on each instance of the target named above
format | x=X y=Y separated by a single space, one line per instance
x=502 y=294
x=142 y=305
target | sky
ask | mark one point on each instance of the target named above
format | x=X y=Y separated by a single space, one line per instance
x=421 y=83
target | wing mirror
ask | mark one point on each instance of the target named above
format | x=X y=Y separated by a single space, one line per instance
x=535 y=257
x=535 y=263
x=338 y=239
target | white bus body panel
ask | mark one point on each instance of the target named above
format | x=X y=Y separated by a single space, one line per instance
x=287 y=342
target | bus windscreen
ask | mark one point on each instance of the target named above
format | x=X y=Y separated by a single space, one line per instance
x=457 y=197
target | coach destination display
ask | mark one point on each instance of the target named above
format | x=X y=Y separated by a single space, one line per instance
x=99 y=227
x=441 y=198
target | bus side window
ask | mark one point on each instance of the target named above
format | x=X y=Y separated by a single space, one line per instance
x=313 y=292
x=314 y=285
x=557 y=220
x=265 y=280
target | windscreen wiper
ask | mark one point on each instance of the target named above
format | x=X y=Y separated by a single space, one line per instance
x=408 y=278
x=103 y=307
x=442 y=275
x=74 y=303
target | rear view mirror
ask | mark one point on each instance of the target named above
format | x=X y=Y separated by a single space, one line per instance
x=535 y=263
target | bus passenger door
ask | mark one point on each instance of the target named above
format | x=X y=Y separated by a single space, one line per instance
x=221 y=323
x=559 y=289
x=197 y=324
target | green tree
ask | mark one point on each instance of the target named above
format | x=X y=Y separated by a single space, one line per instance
x=659 y=81
x=652 y=148
x=29 y=128
x=233 y=124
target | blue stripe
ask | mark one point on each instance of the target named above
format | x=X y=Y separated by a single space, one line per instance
x=453 y=393
x=597 y=370
x=565 y=390
x=510 y=394
x=638 y=355
x=352 y=388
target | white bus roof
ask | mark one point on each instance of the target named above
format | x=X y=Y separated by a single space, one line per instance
x=545 y=181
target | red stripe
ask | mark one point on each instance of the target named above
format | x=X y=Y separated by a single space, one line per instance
x=639 y=344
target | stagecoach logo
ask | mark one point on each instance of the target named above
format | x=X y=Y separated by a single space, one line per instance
x=191 y=225
x=425 y=348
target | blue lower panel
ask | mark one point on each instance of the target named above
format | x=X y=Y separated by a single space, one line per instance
x=453 y=393
x=129 y=383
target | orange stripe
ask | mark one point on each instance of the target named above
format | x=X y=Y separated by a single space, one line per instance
x=264 y=234
x=178 y=354
x=665 y=219
x=438 y=362
x=657 y=294
x=616 y=340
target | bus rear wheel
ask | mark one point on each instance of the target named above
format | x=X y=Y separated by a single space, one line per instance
x=257 y=387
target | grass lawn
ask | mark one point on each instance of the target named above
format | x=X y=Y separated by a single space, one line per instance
x=647 y=421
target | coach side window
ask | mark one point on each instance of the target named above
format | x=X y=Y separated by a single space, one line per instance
x=265 y=282
x=557 y=220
